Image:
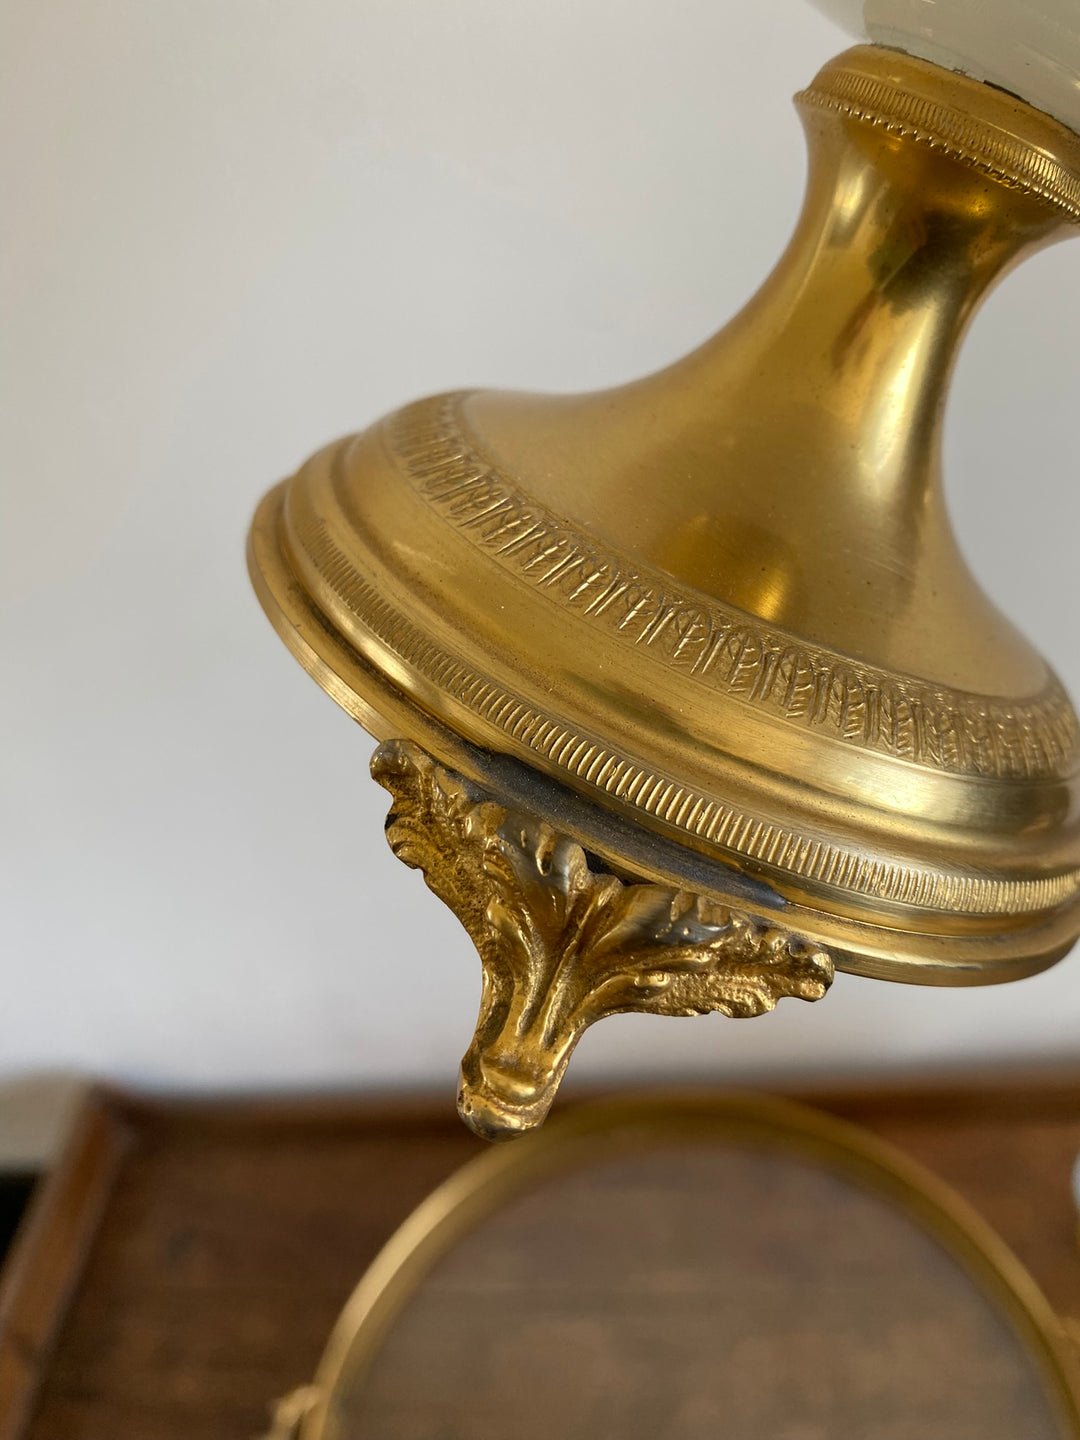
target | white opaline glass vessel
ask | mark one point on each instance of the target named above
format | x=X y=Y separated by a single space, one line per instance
x=1030 y=47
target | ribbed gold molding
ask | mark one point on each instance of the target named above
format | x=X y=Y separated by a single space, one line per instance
x=965 y=119
x=658 y=796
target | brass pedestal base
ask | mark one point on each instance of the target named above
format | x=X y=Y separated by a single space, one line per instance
x=754 y=715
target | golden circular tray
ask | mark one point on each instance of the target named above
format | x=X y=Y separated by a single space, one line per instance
x=678 y=1263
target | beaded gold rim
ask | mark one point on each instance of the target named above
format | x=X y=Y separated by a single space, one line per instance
x=974 y=139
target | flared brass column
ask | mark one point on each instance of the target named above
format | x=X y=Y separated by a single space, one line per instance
x=690 y=695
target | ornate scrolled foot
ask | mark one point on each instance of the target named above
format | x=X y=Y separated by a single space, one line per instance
x=563 y=945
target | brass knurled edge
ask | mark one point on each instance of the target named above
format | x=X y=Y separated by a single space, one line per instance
x=682 y=806
x=966 y=119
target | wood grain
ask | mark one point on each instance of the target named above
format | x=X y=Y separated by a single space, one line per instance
x=233 y=1233
x=45 y=1262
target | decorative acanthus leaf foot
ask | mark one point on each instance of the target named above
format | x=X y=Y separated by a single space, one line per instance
x=562 y=945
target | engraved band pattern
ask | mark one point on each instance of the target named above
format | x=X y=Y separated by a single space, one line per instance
x=707 y=818
x=725 y=648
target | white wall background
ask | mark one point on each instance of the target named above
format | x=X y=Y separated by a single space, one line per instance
x=234 y=229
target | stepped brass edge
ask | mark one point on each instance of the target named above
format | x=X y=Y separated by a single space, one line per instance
x=683 y=808
x=680 y=806
x=563 y=945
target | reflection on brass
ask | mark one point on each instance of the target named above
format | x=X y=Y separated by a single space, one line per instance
x=562 y=946
x=722 y=609
x=494 y=1186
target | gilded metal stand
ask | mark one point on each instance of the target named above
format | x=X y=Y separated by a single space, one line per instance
x=720 y=617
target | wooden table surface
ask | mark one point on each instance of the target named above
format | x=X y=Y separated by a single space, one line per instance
x=185 y=1262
